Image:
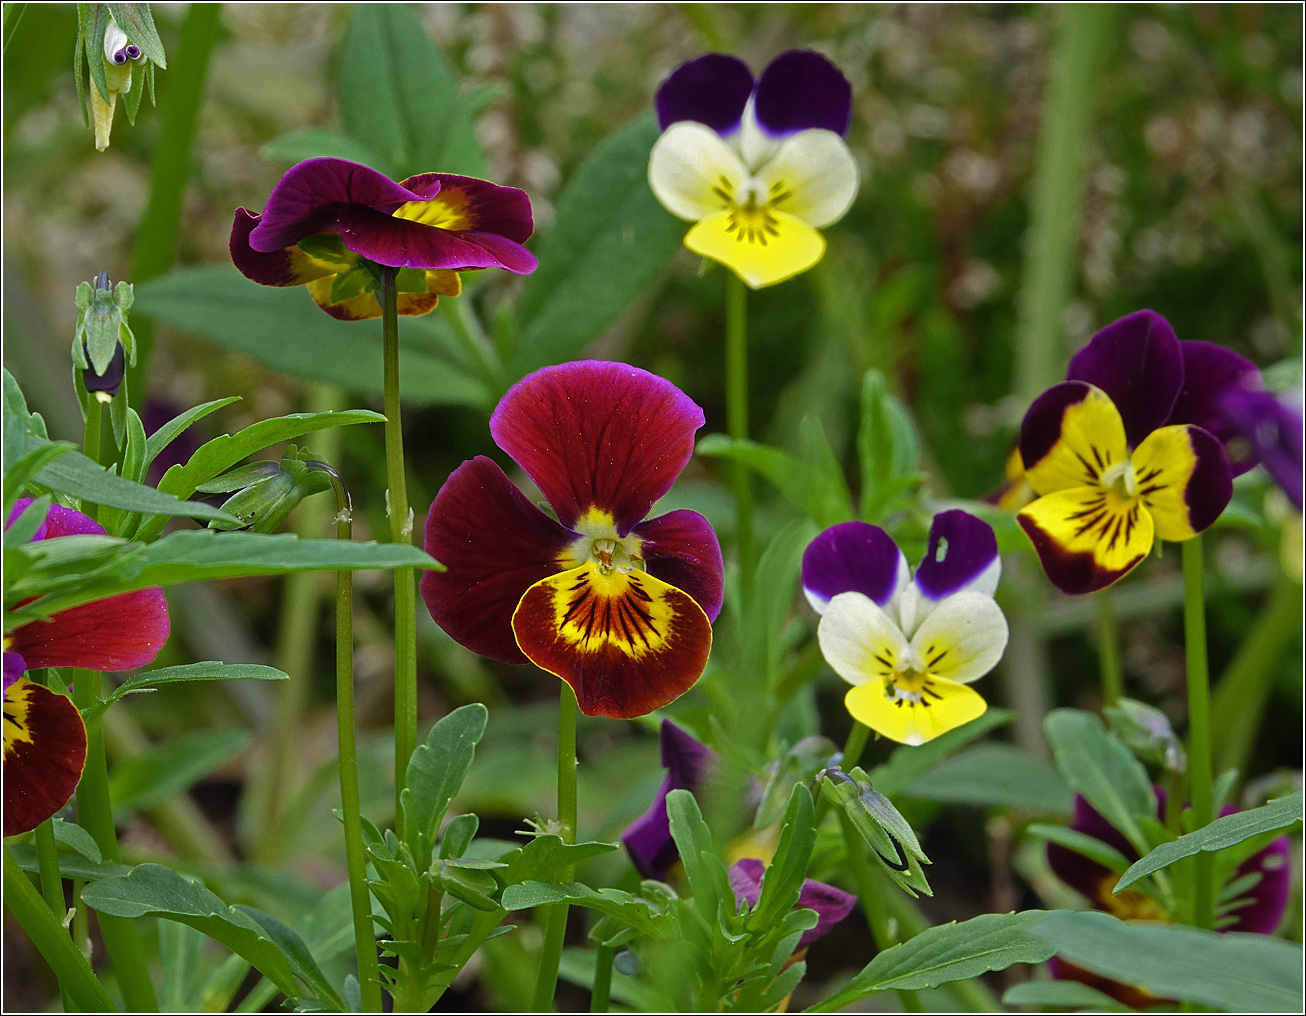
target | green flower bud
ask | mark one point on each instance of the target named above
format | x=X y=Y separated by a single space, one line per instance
x=1146 y=731
x=102 y=333
x=266 y=492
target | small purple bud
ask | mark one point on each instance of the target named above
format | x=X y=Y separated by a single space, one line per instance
x=105 y=386
x=133 y=51
x=120 y=56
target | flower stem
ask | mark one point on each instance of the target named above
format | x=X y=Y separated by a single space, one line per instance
x=737 y=423
x=1108 y=650
x=52 y=884
x=1199 y=725
x=401 y=531
x=95 y=815
x=555 y=927
x=856 y=743
x=602 y=978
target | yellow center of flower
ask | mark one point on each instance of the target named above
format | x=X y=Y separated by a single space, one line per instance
x=447 y=210
x=911 y=688
x=1130 y=905
x=599 y=545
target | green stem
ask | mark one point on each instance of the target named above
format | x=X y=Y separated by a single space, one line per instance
x=469 y=335
x=1108 y=650
x=47 y=857
x=1200 y=777
x=92 y=439
x=600 y=995
x=52 y=941
x=555 y=926
x=95 y=815
x=737 y=424
x=401 y=531
x=855 y=745
x=156 y=238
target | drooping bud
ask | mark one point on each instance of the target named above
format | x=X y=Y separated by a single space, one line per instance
x=1146 y=731
x=106 y=54
x=266 y=492
x=103 y=343
x=881 y=825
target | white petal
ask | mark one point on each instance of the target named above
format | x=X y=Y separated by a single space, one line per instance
x=755 y=144
x=859 y=640
x=694 y=173
x=963 y=638
x=813 y=175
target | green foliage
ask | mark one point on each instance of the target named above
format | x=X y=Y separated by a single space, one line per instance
x=888 y=449
x=1042 y=994
x=909 y=762
x=890 y=837
x=1230 y=972
x=436 y=772
x=994 y=774
x=817 y=488
x=156 y=774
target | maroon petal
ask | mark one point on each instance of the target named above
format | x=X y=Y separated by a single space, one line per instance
x=405 y=243
x=44 y=753
x=1211 y=370
x=286 y=266
x=1138 y=363
x=494 y=545
x=117 y=633
x=598 y=435
x=466 y=203
x=712 y=89
x=1090 y=879
x=681 y=548
x=801 y=89
x=306 y=199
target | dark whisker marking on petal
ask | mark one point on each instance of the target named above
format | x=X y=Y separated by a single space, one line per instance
x=935 y=662
x=931 y=691
x=881 y=659
x=1097 y=457
x=1088 y=469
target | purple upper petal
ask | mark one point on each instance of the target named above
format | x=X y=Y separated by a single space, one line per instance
x=648 y=839
x=307 y=197
x=831 y=904
x=59 y=521
x=962 y=551
x=1138 y=363
x=801 y=89
x=1274 y=430
x=1209 y=371
x=852 y=557
x=1268 y=898
x=712 y=89
x=402 y=243
x=15 y=667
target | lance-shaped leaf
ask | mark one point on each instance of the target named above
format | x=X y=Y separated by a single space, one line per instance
x=626 y=908
x=210 y=670
x=435 y=773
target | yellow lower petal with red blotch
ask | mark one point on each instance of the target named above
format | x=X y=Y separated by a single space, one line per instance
x=1088 y=537
x=442 y=282
x=44 y=754
x=626 y=642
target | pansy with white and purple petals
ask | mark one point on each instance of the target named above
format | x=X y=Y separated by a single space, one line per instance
x=759 y=165
x=1130 y=449
x=910 y=646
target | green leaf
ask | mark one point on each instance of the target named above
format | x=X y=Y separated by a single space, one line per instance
x=1282 y=813
x=947 y=952
x=609 y=242
x=21 y=472
x=70 y=865
x=621 y=905
x=773 y=596
x=1233 y=972
x=544 y=856
x=296 y=952
x=908 y=762
x=210 y=670
x=70 y=834
x=888 y=446
x=157 y=773
x=994 y=774
x=1042 y=994
x=283 y=329
x=822 y=497
x=694 y=841
x=436 y=772
x=138 y=25
x=153 y=890
x=788 y=868
x=1104 y=771
x=815 y=448
x=1090 y=846
x=166 y=434
x=318 y=142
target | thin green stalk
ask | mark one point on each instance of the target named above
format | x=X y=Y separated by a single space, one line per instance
x=469 y=335
x=369 y=969
x=600 y=995
x=737 y=424
x=401 y=531
x=1242 y=692
x=47 y=857
x=156 y=238
x=1108 y=650
x=555 y=927
x=52 y=941
x=855 y=745
x=14 y=14
x=95 y=815
x=1200 y=775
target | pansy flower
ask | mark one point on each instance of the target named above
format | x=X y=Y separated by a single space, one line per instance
x=1273 y=431
x=759 y=165
x=619 y=607
x=328 y=223
x=910 y=646
x=1130 y=449
x=831 y=903
x=44 y=737
x=648 y=839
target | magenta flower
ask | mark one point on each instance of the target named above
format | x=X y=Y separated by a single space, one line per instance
x=44 y=737
x=329 y=222
x=831 y=903
x=618 y=607
x=1129 y=450
x=648 y=839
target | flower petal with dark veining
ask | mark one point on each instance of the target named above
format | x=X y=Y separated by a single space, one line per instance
x=681 y=549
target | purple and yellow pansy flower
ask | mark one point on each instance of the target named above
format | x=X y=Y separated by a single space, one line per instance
x=909 y=645
x=329 y=222
x=1130 y=449
x=44 y=737
x=758 y=165
x=619 y=607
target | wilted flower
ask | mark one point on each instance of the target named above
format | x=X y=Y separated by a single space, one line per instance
x=758 y=165
x=648 y=839
x=618 y=607
x=329 y=223
x=831 y=903
x=909 y=646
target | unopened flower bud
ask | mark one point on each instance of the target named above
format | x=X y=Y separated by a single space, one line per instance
x=103 y=343
x=1146 y=731
x=266 y=492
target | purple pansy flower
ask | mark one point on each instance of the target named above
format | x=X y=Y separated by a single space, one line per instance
x=648 y=839
x=909 y=646
x=1120 y=454
x=831 y=903
x=326 y=219
x=759 y=165
x=44 y=737
x=1273 y=429
x=619 y=607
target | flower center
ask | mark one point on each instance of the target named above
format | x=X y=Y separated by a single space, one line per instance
x=912 y=688
x=752 y=222
x=1121 y=477
x=600 y=546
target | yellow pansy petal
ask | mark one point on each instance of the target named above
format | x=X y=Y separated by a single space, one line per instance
x=1087 y=537
x=943 y=706
x=812 y=176
x=1184 y=479
x=694 y=173
x=1070 y=436
x=859 y=640
x=760 y=245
